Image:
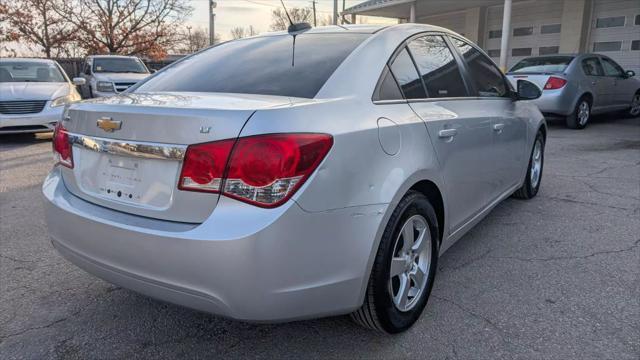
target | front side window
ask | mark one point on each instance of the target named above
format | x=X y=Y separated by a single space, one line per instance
x=437 y=66
x=592 y=67
x=407 y=76
x=119 y=65
x=611 y=68
x=264 y=65
x=487 y=78
x=23 y=71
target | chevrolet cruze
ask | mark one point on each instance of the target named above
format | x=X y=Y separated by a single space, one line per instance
x=295 y=175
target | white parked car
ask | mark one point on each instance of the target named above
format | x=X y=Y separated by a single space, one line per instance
x=107 y=75
x=33 y=93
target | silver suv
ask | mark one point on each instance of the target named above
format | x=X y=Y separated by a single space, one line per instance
x=107 y=75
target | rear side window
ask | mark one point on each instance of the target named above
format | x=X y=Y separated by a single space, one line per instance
x=543 y=64
x=487 y=78
x=405 y=72
x=592 y=67
x=263 y=65
x=388 y=88
x=437 y=66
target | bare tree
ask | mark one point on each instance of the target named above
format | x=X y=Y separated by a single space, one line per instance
x=144 y=27
x=192 y=40
x=279 y=20
x=34 y=22
x=240 y=32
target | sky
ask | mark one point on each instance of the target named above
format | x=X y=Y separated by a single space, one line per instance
x=232 y=13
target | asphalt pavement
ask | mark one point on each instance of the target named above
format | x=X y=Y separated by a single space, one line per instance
x=557 y=277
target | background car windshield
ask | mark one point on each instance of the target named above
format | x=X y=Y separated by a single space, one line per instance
x=263 y=65
x=552 y=64
x=30 y=72
x=118 y=65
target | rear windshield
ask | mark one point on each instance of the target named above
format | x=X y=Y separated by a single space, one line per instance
x=262 y=65
x=119 y=65
x=551 y=64
x=29 y=71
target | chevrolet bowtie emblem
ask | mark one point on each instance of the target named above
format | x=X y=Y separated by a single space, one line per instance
x=109 y=125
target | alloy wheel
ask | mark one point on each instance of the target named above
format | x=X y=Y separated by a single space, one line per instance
x=583 y=113
x=411 y=263
x=536 y=163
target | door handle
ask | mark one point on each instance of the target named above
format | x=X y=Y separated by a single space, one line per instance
x=498 y=127
x=447 y=133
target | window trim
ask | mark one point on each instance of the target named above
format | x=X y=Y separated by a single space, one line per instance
x=467 y=75
x=399 y=49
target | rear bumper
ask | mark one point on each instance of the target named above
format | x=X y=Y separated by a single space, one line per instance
x=38 y=122
x=243 y=262
x=557 y=102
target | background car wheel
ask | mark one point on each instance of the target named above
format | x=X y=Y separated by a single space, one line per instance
x=404 y=268
x=534 y=173
x=634 y=110
x=580 y=115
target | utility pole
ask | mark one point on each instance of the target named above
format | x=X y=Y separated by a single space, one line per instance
x=335 y=12
x=190 y=39
x=315 y=19
x=212 y=19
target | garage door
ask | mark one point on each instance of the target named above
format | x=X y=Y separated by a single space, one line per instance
x=535 y=29
x=453 y=21
x=615 y=31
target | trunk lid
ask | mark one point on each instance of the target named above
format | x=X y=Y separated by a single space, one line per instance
x=135 y=167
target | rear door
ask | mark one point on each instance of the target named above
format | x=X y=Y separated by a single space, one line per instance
x=600 y=84
x=459 y=132
x=509 y=131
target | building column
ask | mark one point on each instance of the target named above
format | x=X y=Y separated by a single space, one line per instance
x=506 y=35
x=475 y=25
x=412 y=12
x=576 y=21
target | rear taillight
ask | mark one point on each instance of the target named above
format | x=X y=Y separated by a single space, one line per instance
x=263 y=170
x=555 y=83
x=62 y=147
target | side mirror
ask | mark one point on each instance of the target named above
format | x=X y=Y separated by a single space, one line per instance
x=78 y=81
x=528 y=90
x=630 y=73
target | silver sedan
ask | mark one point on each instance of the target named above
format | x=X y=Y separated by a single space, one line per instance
x=266 y=184
x=577 y=86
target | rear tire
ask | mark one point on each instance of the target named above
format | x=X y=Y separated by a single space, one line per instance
x=387 y=306
x=634 y=109
x=534 y=173
x=581 y=114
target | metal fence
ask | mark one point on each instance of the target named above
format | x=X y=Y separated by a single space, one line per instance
x=73 y=66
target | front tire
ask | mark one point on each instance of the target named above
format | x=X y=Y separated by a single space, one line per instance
x=404 y=268
x=581 y=115
x=534 y=173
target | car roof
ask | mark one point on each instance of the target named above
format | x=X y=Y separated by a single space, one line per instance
x=111 y=56
x=28 y=60
x=365 y=29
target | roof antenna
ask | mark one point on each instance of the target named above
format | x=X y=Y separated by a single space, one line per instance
x=295 y=28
